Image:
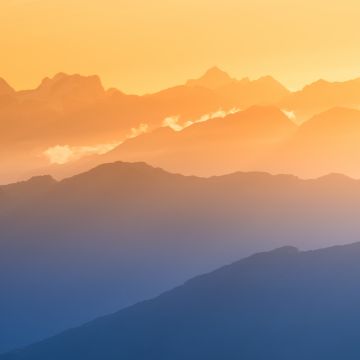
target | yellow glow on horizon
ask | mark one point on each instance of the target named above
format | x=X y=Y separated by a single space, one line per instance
x=141 y=46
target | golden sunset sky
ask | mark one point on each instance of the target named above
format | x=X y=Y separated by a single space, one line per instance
x=141 y=46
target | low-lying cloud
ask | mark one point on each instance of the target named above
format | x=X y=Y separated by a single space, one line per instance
x=62 y=154
x=136 y=131
x=173 y=121
x=289 y=113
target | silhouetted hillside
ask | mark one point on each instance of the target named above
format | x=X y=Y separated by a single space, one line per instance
x=122 y=232
x=283 y=304
x=14 y=195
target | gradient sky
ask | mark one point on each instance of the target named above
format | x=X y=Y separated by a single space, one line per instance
x=140 y=45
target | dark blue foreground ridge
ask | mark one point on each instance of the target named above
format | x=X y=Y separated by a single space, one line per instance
x=282 y=304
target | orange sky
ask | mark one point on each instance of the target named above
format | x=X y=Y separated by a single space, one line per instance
x=141 y=45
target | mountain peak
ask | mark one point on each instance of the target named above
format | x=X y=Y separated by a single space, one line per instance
x=78 y=86
x=212 y=79
x=286 y=250
x=266 y=78
x=38 y=180
x=216 y=71
x=114 y=172
x=48 y=82
x=271 y=84
x=63 y=78
x=317 y=85
x=42 y=180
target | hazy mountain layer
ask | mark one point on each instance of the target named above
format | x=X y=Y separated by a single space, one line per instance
x=72 y=116
x=261 y=138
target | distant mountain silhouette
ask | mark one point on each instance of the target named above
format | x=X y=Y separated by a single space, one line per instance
x=257 y=139
x=241 y=93
x=283 y=304
x=329 y=142
x=122 y=232
x=216 y=146
x=245 y=92
x=321 y=96
x=214 y=78
x=76 y=111
x=221 y=145
x=74 y=88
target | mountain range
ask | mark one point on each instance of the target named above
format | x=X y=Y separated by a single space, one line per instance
x=322 y=95
x=283 y=304
x=123 y=232
x=77 y=114
x=260 y=138
x=242 y=140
